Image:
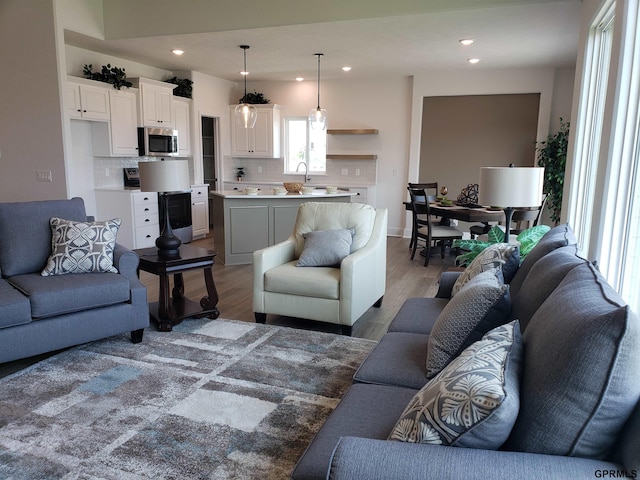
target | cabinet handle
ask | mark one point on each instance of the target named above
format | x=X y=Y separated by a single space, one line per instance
x=147 y=220
x=146 y=198
x=148 y=236
x=146 y=209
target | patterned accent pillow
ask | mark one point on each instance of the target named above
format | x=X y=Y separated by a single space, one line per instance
x=474 y=401
x=482 y=304
x=81 y=247
x=325 y=248
x=503 y=255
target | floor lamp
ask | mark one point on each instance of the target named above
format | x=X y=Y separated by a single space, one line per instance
x=165 y=177
x=511 y=188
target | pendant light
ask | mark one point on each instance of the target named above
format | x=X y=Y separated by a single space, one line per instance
x=318 y=116
x=245 y=113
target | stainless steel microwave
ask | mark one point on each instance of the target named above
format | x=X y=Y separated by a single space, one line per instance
x=157 y=142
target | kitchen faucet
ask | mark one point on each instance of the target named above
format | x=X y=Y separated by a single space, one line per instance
x=306 y=171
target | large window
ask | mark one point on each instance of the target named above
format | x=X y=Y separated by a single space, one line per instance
x=604 y=200
x=589 y=124
x=306 y=145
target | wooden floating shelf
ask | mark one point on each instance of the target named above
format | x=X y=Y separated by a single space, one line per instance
x=351 y=157
x=352 y=131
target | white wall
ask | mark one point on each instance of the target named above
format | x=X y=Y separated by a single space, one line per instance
x=30 y=115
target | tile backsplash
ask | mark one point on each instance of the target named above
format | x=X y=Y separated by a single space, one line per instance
x=257 y=170
x=107 y=171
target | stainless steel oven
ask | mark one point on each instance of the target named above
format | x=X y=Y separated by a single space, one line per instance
x=179 y=214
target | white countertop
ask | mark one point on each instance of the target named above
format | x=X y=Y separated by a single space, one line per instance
x=319 y=192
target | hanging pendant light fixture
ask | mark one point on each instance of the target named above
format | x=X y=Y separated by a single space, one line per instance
x=245 y=113
x=318 y=116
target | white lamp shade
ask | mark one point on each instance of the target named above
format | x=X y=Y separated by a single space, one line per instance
x=511 y=187
x=164 y=176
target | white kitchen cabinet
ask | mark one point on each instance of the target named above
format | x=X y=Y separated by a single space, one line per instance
x=155 y=103
x=124 y=123
x=88 y=102
x=263 y=140
x=200 y=210
x=118 y=137
x=139 y=213
x=182 y=123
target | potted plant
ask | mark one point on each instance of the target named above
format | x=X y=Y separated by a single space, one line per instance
x=113 y=75
x=552 y=155
x=239 y=173
x=527 y=239
x=254 y=98
x=184 y=88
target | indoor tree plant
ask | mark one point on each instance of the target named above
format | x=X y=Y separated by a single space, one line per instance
x=552 y=155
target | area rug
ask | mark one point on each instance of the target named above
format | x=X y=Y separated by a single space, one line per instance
x=214 y=399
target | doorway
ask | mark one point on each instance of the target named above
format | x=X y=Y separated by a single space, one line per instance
x=209 y=149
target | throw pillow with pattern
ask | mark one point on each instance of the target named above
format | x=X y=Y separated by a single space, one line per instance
x=502 y=255
x=474 y=401
x=482 y=304
x=81 y=247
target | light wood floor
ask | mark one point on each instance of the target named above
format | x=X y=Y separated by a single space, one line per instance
x=405 y=278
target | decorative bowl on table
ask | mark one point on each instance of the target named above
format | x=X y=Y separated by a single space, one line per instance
x=307 y=190
x=279 y=191
x=293 y=187
x=331 y=189
x=251 y=190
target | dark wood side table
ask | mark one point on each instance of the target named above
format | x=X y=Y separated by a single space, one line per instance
x=171 y=310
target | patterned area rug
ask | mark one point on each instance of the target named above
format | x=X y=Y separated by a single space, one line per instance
x=214 y=399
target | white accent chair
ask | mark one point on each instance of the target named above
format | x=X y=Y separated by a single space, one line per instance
x=327 y=294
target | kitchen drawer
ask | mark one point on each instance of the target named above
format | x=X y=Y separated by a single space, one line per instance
x=145 y=220
x=145 y=198
x=146 y=236
x=145 y=209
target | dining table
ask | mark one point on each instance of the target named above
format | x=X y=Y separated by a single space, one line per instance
x=475 y=214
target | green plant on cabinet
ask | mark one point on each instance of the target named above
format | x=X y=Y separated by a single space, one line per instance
x=552 y=155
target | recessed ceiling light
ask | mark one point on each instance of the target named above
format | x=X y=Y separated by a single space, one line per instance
x=473 y=60
x=299 y=79
x=467 y=41
x=244 y=73
x=177 y=51
x=346 y=68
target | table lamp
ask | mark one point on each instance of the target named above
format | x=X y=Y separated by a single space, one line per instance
x=165 y=177
x=511 y=188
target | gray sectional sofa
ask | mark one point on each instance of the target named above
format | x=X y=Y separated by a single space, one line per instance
x=39 y=314
x=578 y=410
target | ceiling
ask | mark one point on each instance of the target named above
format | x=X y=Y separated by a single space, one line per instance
x=420 y=36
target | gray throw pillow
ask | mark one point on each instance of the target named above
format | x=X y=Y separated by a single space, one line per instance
x=483 y=303
x=503 y=255
x=474 y=401
x=325 y=248
x=81 y=247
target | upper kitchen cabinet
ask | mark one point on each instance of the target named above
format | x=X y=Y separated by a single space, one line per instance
x=156 y=102
x=86 y=99
x=263 y=140
x=119 y=137
x=124 y=123
x=182 y=123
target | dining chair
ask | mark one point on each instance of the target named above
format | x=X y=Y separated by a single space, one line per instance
x=522 y=219
x=431 y=189
x=426 y=229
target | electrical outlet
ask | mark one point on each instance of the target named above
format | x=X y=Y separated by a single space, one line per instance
x=259 y=168
x=106 y=172
x=344 y=171
x=357 y=172
x=44 y=176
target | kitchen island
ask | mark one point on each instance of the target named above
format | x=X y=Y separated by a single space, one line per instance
x=244 y=223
